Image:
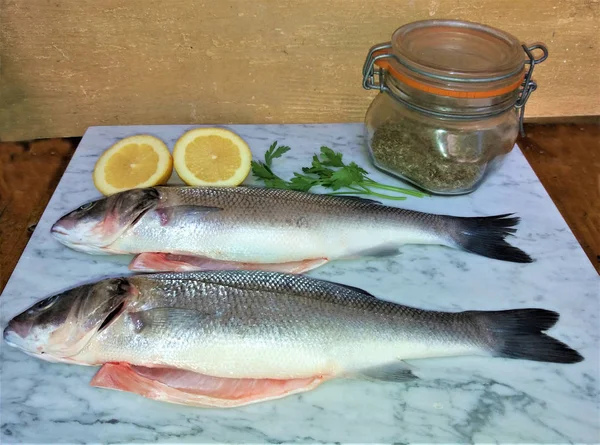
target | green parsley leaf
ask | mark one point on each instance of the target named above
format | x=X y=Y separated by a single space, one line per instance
x=327 y=170
x=261 y=171
x=346 y=176
x=318 y=169
x=277 y=183
x=275 y=152
x=302 y=183
x=331 y=158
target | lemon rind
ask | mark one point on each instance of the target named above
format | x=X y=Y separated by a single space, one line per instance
x=160 y=176
x=189 y=178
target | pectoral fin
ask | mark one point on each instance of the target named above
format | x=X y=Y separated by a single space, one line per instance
x=190 y=388
x=165 y=316
x=377 y=252
x=393 y=372
x=169 y=262
x=167 y=214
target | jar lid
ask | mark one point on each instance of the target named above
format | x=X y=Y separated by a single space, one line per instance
x=455 y=58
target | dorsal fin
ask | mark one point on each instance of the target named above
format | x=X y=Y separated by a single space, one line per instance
x=358 y=199
x=353 y=288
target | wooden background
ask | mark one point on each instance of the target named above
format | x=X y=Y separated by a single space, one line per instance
x=70 y=64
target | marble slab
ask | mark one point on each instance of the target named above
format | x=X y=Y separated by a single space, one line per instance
x=456 y=400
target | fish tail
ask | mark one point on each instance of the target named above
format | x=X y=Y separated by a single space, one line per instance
x=486 y=236
x=519 y=334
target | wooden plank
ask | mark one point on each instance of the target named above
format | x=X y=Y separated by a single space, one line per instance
x=29 y=173
x=69 y=64
x=566 y=158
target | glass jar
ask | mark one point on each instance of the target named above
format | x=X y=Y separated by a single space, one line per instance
x=451 y=102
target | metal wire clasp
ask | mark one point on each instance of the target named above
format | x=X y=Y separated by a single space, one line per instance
x=369 y=67
x=529 y=85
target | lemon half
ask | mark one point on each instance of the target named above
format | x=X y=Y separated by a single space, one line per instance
x=212 y=157
x=133 y=162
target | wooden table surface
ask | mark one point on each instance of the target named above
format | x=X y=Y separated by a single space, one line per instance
x=566 y=158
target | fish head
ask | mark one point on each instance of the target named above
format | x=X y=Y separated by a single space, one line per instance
x=94 y=226
x=60 y=326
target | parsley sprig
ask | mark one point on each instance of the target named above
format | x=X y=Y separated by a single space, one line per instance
x=327 y=170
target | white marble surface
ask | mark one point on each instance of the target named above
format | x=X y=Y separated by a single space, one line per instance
x=456 y=400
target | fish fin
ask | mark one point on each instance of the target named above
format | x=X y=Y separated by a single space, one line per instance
x=359 y=199
x=165 y=214
x=518 y=333
x=364 y=293
x=198 y=210
x=194 y=389
x=378 y=252
x=163 y=316
x=485 y=236
x=292 y=267
x=166 y=262
x=169 y=262
x=392 y=372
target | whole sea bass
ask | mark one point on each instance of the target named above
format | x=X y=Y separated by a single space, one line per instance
x=203 y=228
x=229 y=338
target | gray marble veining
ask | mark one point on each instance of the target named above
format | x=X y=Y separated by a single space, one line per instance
x=457 y=400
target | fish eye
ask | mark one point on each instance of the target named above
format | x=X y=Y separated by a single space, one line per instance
x=47 y=303
x=87 y=206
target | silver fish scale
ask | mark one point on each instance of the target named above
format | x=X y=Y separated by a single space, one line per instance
x=259 y=324
x=258 y=225
x=227 y=195
x=215 y=322
x=261 y=199
x=212 y=322
x=250 y=286
x=261 y=281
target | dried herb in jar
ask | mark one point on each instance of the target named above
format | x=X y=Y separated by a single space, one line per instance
x=408 y=149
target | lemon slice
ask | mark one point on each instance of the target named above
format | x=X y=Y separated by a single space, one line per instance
x=133 y=162
x=212 y=157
